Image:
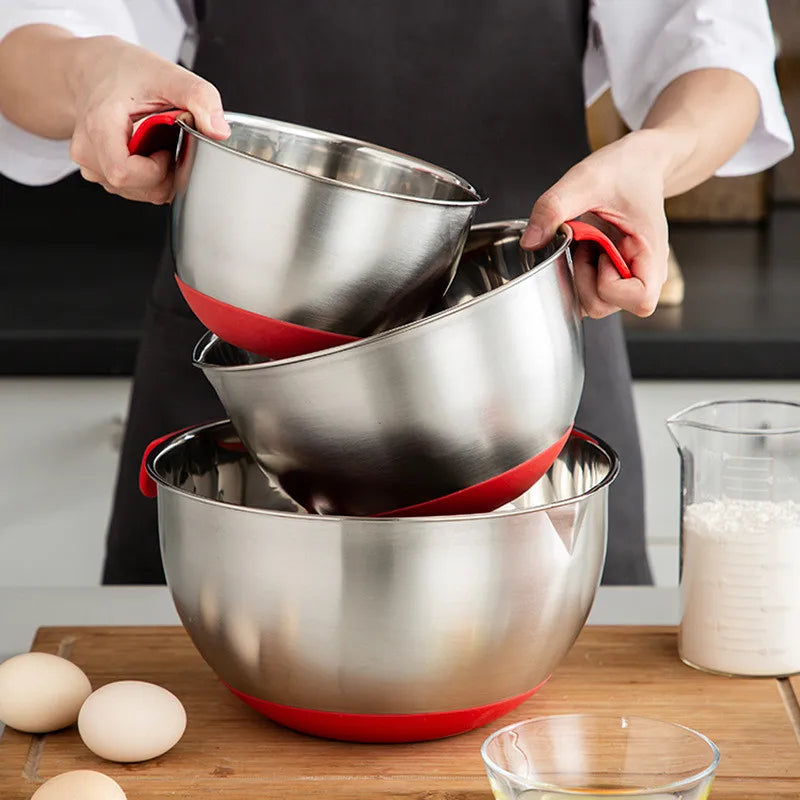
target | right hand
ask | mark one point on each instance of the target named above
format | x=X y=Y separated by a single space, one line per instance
x=117 y=84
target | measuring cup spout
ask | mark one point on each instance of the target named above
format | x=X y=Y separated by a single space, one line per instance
x=680 y=428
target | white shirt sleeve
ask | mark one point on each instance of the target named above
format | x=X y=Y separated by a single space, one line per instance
x=640 y=46
x=636 y=46
x=155 y=24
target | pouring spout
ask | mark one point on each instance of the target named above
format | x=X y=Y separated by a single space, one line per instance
x=677 y=428
x=681 y=425
x=702 y=419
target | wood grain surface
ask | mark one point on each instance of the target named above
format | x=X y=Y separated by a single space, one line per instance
x=229 y=751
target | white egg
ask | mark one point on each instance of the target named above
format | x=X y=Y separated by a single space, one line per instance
x=40 y=692
x=85 y=784
x=131 y=721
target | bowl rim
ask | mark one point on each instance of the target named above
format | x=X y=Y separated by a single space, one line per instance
x=703 y=774
x=505 y=228
x=181 y=437
x=478 y=197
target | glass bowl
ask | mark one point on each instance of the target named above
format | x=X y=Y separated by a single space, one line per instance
x=594 y=756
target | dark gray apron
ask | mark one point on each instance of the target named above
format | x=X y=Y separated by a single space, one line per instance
x=490 y=90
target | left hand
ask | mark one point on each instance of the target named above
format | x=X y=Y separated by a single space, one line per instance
x=622 y=184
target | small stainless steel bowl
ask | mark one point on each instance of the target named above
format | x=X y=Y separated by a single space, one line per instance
x=377 y=629
x=315 y=229
x=490 y=381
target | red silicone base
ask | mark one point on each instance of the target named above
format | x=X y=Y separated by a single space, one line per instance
x=492 y=493
x=264 y=336
x=384 y=728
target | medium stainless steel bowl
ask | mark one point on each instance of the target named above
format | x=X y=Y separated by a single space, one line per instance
x=336 y=625
x=489 y=382
x=314 y=228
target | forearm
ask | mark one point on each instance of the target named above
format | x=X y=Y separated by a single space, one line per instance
x=38 y=67
x=698 y=123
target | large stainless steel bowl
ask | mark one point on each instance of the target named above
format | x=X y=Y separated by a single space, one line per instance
x=379 y=629
x=489 y=382
x=314 y=228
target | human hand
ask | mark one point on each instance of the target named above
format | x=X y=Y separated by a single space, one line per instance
x=114 y=85
x=622 y=184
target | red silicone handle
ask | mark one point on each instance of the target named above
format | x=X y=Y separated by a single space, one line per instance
x=147 y=486
x=583 y=232
x=156 y=132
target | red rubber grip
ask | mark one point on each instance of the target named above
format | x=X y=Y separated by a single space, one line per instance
x=584 y=232
x=147 y=486
x=156 y=132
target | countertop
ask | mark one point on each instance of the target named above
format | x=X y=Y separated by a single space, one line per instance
x=78 y=265
x=739 y=319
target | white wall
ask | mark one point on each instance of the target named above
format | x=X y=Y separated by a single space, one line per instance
x=60 y=440
x=59 y=444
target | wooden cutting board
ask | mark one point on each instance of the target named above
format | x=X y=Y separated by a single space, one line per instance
x=229 y=752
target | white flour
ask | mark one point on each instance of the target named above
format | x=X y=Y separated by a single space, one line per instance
x=741 y=587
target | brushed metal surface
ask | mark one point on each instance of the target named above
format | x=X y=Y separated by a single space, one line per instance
x=314 y=228
x=377 y=615
x=492 y=377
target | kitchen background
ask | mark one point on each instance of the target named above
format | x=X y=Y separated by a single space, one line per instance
x=77 y=266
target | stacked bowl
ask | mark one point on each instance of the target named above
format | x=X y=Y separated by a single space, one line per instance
x=398 y=533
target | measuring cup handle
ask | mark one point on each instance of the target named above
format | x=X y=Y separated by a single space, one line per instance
x=158 y=132
x=584 y=232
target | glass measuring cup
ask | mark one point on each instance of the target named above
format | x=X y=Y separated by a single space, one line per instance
x=740 y=536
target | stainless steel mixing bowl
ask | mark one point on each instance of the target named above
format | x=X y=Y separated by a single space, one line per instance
x=427 y=409
x=314 y=228
x=377 y=629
